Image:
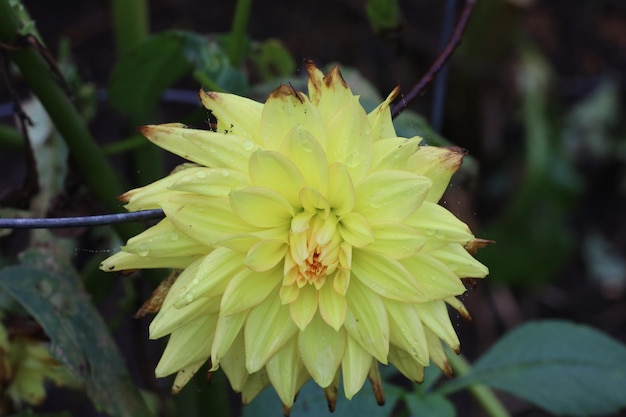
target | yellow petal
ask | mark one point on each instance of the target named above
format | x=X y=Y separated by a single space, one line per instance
x=435 y=316
x=304 y=308
x=355 y=230
x=211 y=149
x=255 y=383
x=366 y=320
x=212 y=276
x=226 y=331
x=458 y=259
x=151 y=195
x=380 y=118
x=436 y=352
x=261 y=207
x=437 y=222
x=285 y=109
x=184 y=375
x=265 y=254
x=341 y=194
x=332 y=306
x=214 y=182
x=248 y=289
x=163 y=239
x=284 y=371
x=350 y=139
x=332 y=94
x=406 y=364
x=187 y=345
x=433 y=278
x=233 y=363
x=306 y=152
x=321 y=349
x=276 y=171
x=393 y=153
x=390 y=196
x=315 y=82
x=313 y=201
x=239 y=115
x=170 y=318
x=267 y=329
x=355 y=366
x=438 y=164
x=406 y=330
x=385 y=276
x=396 y=240
x=205 y=219
x=123 y=260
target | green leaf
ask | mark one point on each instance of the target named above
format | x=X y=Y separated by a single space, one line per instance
x=140 y=77
x=311 y=402
x=50 y=291
x=272 y=59
x=383 y=15
x=429 y=405
x=565 y=368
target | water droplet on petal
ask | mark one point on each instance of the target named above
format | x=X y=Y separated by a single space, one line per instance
x=174 y=236
x=224 y=172
x=186 y=178
x=188 y=298
x=201 y=174
x=353 y=160
x=212 y=149
x=248 y=145
x=143 y=250
x=377 y=200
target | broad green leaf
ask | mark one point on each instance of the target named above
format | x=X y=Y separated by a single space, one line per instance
x=51 y=292
x=564 y=368
x=140 y=77
x=429 y=405
x=311 y=402
x=384 y=15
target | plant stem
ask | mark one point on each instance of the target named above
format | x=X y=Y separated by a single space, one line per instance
x=130 y=23
x=236 y=50
x=97 y=173
x=483 y=394
x=10 y=138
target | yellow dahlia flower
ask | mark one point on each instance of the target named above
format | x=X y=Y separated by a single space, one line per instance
x=310 y=240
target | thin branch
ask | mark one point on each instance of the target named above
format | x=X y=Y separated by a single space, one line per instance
x=64 y=222
x=441 y=60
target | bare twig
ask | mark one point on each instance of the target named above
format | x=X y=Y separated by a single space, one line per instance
x=440 y=62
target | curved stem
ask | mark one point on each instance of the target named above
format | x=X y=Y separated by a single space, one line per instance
x=236 y=50
x=483 y=394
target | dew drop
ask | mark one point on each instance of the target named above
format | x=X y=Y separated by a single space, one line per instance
x=212 y=149
x=186 y=178
x=224 y=172
x=188 y=298
x=143 y=250
x=377 y=200
x=174 y=236
x=248 y=145
x=201 y=174
x=195 y=281
x=353 y=160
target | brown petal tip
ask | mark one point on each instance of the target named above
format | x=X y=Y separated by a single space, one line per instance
x=331 y=396
x=377 y=384
x=473 y=245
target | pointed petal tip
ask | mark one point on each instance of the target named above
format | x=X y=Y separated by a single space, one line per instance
x=331 y=393
x=285 y=91
x=286 y=410
x=377 y=384
x=335 y=77
x=473 y=245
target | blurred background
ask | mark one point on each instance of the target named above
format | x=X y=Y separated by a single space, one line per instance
x=535 y=93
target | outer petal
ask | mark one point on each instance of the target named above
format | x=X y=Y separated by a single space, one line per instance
x=437 y=222
x=406 y=364
x=332 y=94
x=456 y=257
x=211 y=149
x=256 y=383
x=366 y=321
x=184 y=375
x=390 y=196
x=248 y=289
x=149 y=196
x=396 y=240
x=386 y=277
x=435 y=316
x=267 y=329
x=285 y=109
x=226 y=332
x=234 y=364
x=438 y=164
x=285 y=371
x=380 y=118
x=406 y=330
x=164 y=239
x=436 y=352
x=185 y=348
x=394 y=153
x=205 y=219
x=238 y=115
x=309 y=156
x=350 y=139
x=355 y=366
x=123 y=260
x=170 y=319
x=433 y=278
x=321 y=349
x=214 y=182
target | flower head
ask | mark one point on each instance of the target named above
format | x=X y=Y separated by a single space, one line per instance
x=310 y=240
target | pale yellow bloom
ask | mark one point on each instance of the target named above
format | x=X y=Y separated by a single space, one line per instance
x=311 y=244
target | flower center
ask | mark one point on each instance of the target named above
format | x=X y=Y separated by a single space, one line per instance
x=314 y=244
